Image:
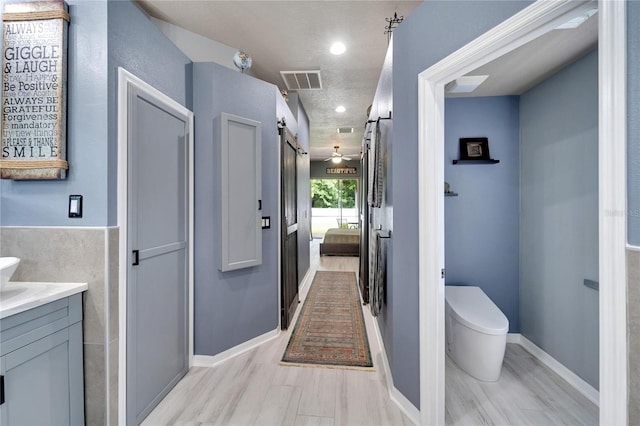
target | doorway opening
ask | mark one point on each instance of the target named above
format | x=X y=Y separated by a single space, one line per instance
x=334 y=204
x=516 y=31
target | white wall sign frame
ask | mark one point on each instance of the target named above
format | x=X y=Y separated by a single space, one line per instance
x=34 y=91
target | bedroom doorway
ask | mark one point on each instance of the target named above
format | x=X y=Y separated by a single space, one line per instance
x=334 y=204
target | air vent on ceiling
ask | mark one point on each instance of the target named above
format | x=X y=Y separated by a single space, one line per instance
x=302 y=80
x=345 y=129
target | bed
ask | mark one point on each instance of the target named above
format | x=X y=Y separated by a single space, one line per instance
x=340 y=242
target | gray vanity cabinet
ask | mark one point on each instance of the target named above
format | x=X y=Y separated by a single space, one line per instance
x=41 y=365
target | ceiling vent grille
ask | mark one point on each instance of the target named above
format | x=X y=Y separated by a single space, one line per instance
x=302 y=80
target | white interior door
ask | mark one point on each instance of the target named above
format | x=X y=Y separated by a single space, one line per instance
x=157 y=354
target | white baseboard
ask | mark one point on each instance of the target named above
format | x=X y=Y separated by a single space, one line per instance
x=395 y=395
x=212 y=361
x=306 y=281
x=405 y=405
x=569 y=376
x=514 y=338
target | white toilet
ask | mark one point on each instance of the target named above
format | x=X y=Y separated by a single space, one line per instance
x=476 y=332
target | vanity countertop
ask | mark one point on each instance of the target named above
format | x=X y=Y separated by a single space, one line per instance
x=16 y=297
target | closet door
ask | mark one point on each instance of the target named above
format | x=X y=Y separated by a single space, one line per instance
x=158 y=275
x=240 y=193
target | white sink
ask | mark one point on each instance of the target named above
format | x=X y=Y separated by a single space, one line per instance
x=8 y=266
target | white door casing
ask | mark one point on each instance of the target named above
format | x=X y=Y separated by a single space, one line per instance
x=127 y=82
x=521 y=28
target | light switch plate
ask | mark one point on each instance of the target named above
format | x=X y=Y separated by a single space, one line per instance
x=75 y=206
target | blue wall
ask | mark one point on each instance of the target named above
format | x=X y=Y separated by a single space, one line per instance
x=232 y=307
x=559 y=216
x=633 y=117
x=45 y=203
x=383 y=217
x=102 y=36
x=139 y=47
x=482 y=222
x=433 y=31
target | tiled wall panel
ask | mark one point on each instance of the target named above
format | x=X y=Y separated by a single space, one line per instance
x=79 y=255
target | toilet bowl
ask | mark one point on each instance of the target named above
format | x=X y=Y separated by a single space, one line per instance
x=476 y=332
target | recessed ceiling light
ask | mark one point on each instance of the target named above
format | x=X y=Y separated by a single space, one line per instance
x=337 y=48
x=340 y=108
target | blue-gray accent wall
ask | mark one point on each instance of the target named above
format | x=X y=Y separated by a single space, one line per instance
x=633 y=124
x=232 y=307
x=559 y=216
x=139 y=47
x=482 y=222
x=102 y=36
x=382 y=217
x=433 y=31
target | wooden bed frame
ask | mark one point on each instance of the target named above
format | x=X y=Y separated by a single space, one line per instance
x=341 y=242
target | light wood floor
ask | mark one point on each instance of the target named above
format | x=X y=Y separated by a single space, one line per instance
x=527 y=393
x=253 y=389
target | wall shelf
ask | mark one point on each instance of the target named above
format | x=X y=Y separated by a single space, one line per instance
x=450 y=194
x=490 y=161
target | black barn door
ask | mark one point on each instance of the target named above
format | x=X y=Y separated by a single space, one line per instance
x=289 y=228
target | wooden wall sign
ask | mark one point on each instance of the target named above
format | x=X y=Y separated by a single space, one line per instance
x=342 y=171
x=34 y=104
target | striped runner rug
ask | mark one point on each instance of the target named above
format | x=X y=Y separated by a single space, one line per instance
x=330 y=330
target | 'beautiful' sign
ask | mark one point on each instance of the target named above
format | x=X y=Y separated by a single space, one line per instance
x=342 y=171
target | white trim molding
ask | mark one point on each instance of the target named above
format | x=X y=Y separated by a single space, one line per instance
x=212 y=361
x=126 y=80
x=554 y=365
x=306 y=281
x=612 y=77
x=530 y=23
x=410 y=410
x=514 y=338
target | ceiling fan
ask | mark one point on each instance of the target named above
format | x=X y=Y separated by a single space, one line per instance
x=336 y=157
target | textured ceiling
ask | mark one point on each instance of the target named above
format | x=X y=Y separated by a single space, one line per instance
x=296 y=35
x=523 y=68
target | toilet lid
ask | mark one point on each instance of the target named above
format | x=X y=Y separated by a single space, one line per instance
x=473 y=308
